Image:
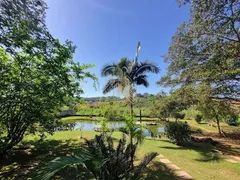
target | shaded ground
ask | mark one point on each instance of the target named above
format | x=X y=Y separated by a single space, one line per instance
x=227 y=145
x=20 y=162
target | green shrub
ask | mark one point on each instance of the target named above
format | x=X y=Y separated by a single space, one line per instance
x=112 y=115
x=179 y=132
x=179 y=115
x=233 y=120
x=198 y=118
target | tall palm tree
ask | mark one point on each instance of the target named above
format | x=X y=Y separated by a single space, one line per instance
x=127 y=74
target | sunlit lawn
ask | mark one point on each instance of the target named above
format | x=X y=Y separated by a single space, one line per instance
x=199 y=160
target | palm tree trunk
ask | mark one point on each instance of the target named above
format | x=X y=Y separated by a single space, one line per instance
x=131 y=99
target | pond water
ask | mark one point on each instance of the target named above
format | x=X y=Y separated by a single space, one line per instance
x=90 y=125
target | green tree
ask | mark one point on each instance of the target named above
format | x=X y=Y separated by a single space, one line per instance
x=206 y=48
x=134 y=131
x=127 y=74
x=173 y=104
x=215 y=110
x=38 y=74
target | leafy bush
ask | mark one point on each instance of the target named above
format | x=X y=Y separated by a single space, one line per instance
x=198 y=118
x=233 y=120
x=113 y=115
x=179 y=115
x=178 y=132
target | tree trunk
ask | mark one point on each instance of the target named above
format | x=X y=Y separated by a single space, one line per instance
x=131 y=99
x=140 y=113
x=11 y=140
x=5 y=147
x=218 y=125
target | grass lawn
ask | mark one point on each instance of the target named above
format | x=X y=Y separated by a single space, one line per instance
x=79 y=118
x=206 y=128
x=199 y=160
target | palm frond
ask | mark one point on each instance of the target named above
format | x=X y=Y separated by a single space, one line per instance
x=110 y=144
x=100 y=160
x=141 y=80
x=146 y=160
x=124 y=63
x=146 y=66
x=109 y=69
x=121 y=146
x=111 y=84
x=56 y=165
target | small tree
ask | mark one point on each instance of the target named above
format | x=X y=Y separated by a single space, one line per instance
x=215 y=110
x=134 y=131
x=170 y=106
x=179 y=115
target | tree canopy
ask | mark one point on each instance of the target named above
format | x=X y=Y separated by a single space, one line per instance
x=206 y=49
x=38 y=74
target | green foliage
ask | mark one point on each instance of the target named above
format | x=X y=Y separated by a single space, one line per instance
x=133 y=130
x=191 y=113
x=233 y=119
x=104 y=126
x=38 y=74
x=179 y=115
x=215 y=110
x=58 y=164
x=198 y=118
x=118 y=106
x=205 y=49
x=178 y=132
x=170 y=106
x=113 y=115
x=102 y=160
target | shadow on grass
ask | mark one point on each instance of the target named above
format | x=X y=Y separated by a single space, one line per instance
x=207 y=151
x=228 y=149
x=157 y=170
x=20 y=162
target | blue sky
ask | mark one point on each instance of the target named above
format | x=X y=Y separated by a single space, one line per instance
x=106 y=30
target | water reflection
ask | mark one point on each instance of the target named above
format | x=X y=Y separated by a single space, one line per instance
x=152 y=131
